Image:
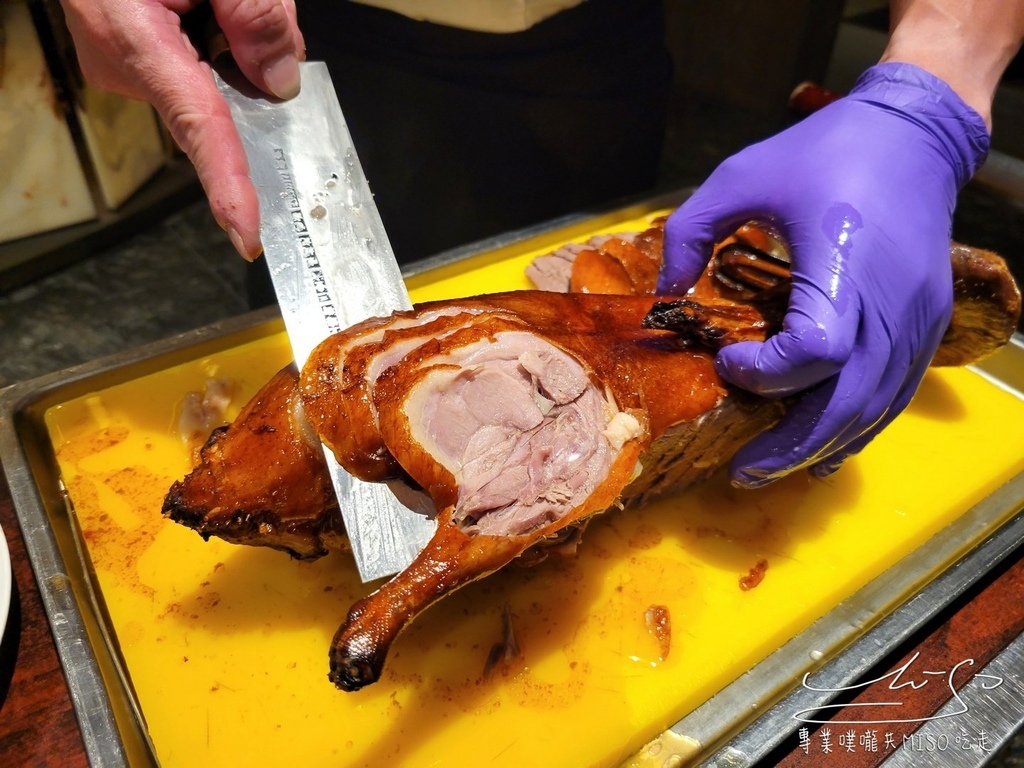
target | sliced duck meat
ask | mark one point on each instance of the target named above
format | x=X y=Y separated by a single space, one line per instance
x=518 y=423
x=337 y=379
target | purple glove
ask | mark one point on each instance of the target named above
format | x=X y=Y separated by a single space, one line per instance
x=863 y=194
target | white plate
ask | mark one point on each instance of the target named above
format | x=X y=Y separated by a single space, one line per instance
x=5 y=582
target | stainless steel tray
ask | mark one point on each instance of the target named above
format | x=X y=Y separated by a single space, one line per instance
x=110 y=721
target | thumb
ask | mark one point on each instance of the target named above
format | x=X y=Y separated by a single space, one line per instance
x=265 y=42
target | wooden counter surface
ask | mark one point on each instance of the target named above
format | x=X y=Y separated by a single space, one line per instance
x=38 y=726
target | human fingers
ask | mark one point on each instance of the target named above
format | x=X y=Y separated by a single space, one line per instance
x=714 y=211
x=182 y=90
x=815 y=342
x=265 y=42
x=139 y=49
x=809 y=428
x=904 y=380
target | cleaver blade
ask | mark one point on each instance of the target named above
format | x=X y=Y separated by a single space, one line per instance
x=332 y=266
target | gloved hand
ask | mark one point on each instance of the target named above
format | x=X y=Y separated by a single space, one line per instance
x=863 y=194
x=137 y=48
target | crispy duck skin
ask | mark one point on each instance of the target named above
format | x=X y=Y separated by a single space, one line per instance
x=409 y=396
x=456 y=554
x=262 y=481
x=222 y=497
x=335 y=390
x=680 y=448
x=335 y=369
x=986 y=307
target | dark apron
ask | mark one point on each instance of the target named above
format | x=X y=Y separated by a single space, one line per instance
x=464 y=134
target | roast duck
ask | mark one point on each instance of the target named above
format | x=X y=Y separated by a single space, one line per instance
x=520 y=414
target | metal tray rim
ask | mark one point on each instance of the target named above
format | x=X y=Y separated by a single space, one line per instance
x=103 y=743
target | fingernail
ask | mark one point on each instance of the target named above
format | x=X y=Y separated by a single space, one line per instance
x=282 y=76
x=236 y=240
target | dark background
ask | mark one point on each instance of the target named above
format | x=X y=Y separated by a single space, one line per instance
x=165 y=267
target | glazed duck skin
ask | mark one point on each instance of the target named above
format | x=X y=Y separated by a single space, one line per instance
x=244 y=504
x=504 y=477
x=661 y=371
x=412 y=397
x=585 y=388
x=742 y=296
x=262 y=481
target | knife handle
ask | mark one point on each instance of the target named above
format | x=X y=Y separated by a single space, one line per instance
x=206 y=36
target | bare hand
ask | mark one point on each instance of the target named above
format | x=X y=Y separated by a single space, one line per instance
x=137 y=48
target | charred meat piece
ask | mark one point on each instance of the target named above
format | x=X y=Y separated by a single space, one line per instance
x=986 y=307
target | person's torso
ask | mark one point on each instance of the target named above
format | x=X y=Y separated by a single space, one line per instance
x=479 y=15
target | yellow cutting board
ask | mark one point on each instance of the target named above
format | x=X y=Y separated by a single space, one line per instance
x=226 y=647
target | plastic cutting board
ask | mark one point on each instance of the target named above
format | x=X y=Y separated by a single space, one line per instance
x=225 y=647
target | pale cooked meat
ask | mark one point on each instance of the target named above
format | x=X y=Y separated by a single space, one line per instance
x=337 y=380
x=203 y=410
x=513 y=418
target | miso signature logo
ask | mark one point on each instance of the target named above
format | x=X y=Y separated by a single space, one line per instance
x=901 y=678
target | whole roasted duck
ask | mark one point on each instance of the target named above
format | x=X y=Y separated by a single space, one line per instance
x=520 y=414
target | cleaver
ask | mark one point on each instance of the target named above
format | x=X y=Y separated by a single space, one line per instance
x=332 y=266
